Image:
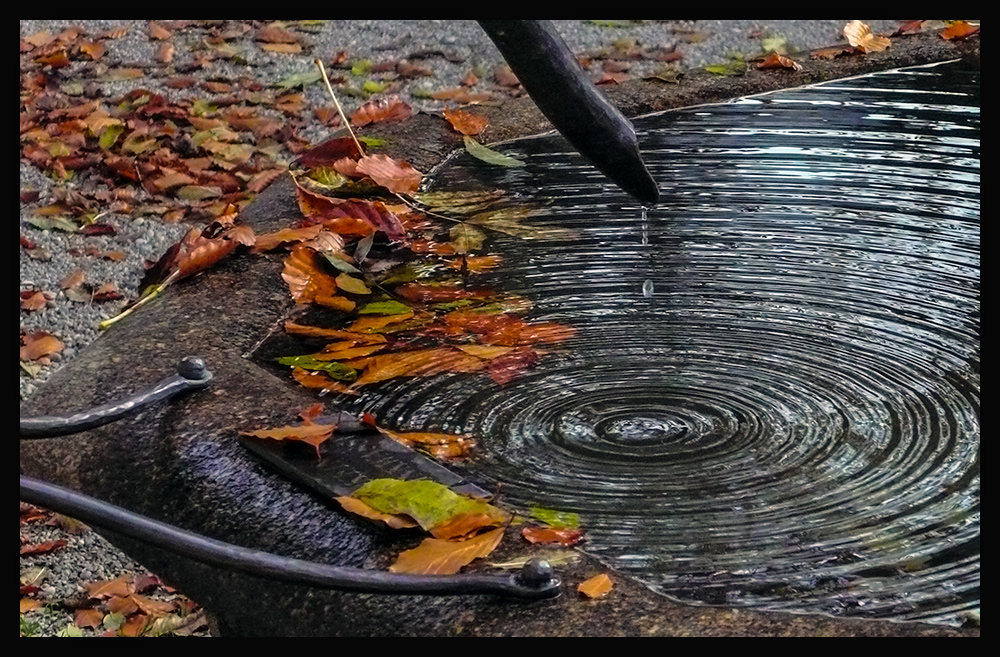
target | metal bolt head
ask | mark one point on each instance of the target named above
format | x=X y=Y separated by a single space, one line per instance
x=193 y=368
x=536 y=573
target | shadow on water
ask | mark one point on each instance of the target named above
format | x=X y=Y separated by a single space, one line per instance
x=773 y=395
x=772 y=398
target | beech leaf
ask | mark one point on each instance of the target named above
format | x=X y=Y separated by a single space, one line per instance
x=426 y=501
x=395 y=175
x=465 y=122
x=860 y=36
x=357 y=507
x=439 y=557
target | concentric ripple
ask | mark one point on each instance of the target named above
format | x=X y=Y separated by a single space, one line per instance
x=773 y=395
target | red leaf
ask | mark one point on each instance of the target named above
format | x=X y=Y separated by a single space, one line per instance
x=395 y=175
x=564 y=536
x=329 y=152
x=42 y=548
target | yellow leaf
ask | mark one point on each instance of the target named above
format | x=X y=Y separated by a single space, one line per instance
x=353 y=285
x=438 y=557
x=860 y=35
x=596 y=587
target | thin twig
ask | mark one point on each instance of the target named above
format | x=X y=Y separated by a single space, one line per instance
x=336 y=102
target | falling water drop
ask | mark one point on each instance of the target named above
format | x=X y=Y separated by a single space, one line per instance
x=647 y=288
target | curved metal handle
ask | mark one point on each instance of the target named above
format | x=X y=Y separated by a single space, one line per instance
x=535 y=580
x=192 y=373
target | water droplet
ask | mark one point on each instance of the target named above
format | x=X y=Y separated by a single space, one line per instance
x=647 y=288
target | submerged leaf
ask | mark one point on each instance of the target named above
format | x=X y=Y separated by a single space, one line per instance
x=489 y=155
x=554 y=518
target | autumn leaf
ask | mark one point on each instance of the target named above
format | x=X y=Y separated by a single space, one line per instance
x=442 y=445
x=427 y=502
x=88 y=618
x=774 y=60
x=423 y=362
x=319 y=380
x=440 y=557
x=395 y=175
x=42 y=548
x=508 y=367
x=831 y=52
x=465 y=122
x=860 y=36
x=357 y=507
x=311 y=434
x=907 y=27
x=319 y=332
x=597 y=586
x=564 y=536
x=305 y=278
x=380 y=110
x=39 y=344
x=273 y=240
x=326 y=210
x=958 y=30
x=120 y=586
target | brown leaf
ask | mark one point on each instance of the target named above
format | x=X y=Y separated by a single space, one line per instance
x=465 y=524
x=91 y=618
x=275 y=33
x=320 y=381
x=774 y=60
x=439 y=557
x=958 y=30
x=134 y=626
x=165 y=52
x=395 y=175
x=349 y=217
x=273 y=240
x=860 y=36
x=124 y=605
x=35 y=300
x=41 y=548
x=465 y=122
x=152 y=607
x=596 y=587
x=311 y=434
x=306 y=280
x=508 y=367
x=379 y=110
x=830 y=53
x=908 y=26
x=158 y=32
x=564 y=536
x=357 y=507
x=39 y=344
x=443 y=445
x=318 y=332
x=121 y=586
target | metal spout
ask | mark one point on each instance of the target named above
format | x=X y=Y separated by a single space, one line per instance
x=550 y=74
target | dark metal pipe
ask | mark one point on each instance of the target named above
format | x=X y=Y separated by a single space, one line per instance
x=550 y=74
x=534 y=581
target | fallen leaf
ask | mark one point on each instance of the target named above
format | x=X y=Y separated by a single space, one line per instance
x=39 y=344
x=357 y=507
x=774 y=60
x=35 y=300
x=395 y=175
x=489 y=155
x=423 y=362
x=958 y=30
x=465 y=122
x=907 y=27
x=565 y=536
x=439 y=557
x=860 y=36
x=427 y=502
x=553 y=518
x=443 y=445
x=28 y=604
x=120 y=586
x=465 y=524
x=305 y=278
x=379 y=110
x=158 y=32
x=310 y=434
x=318 y=380
x=830 y=53
x=319 y=332
x=273 y=240
x=597 y=586
x=42 y=548
x=88 y=618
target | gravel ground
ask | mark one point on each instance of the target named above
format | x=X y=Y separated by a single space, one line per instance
x=449 y=50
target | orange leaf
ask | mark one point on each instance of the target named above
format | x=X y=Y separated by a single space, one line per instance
x=311 y=434
x=565 y=536
x=122 y=587
x=860 y=35
x=596 y=587
x=374 y=323
x=443 y=445
x=347 y=353
x=39 y=344
x=305 y=279
x=464 y=524
x=336 y=302
x=91 y=618
x=357 y=507
x=395 y=175
x=465 y=122
x=319 y=332
x=507 y=367
x=420 y=293
x=285 y=235
x=390 y=108
x=134 y=626
x=438 y=557
x=425 y=362
x=122 y=605
x=321 y=381
x=774 y=60
x=152 y=607
x=958 y=30
x=476 y=264
x=158 y=32
x=322 y=209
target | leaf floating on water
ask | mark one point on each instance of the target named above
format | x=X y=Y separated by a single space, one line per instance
x=489 y=155
x=860 y=36
x=554 y=518
x=466 y=238
x=439 y=557
x=423 y=362
x=440 y=445
x=318 y=380
x=597 y=586
x=565 y=536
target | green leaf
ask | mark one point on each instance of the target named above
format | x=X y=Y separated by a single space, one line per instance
x=361 y=67
x=201 y=107
x=426 y=501
x=554 y=518
x=385 y=308
x=335 y=370
x=489 y=155
x=303 y=79
x=113 y=621
x=732 y=68
x=110 y=135
x=54 y=223
x=70 y=630
x=373 y=87
x=372 y=142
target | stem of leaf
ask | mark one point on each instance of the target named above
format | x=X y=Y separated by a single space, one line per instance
x=336 y=102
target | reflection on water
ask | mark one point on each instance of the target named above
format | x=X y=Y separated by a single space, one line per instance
x=773 y=395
